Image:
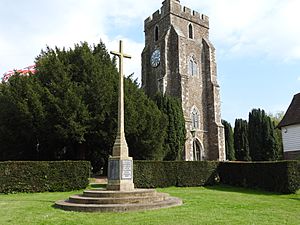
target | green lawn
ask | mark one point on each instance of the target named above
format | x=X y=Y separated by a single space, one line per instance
x=210 y=205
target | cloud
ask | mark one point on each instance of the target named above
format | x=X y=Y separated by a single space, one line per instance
x=257 y=27
x=64 y=23
x=238 y=28
x=132 y=48
x=298 y=79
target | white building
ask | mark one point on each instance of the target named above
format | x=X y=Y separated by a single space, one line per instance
x=290 y=128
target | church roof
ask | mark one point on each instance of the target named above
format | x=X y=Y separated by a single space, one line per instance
x=292 y=115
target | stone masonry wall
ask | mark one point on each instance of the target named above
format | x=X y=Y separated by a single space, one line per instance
x=199 y=91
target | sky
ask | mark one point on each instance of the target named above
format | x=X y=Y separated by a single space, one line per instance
x=257 y=41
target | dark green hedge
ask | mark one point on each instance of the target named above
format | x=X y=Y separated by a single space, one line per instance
x=283 y=176
x=41 y=176
x=150 y=174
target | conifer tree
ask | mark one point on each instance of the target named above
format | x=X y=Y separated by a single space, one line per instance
x=229 y=141
x=20 y=114
x=241 y=144
x=256 y=134
x=145 y=124
x=276 y=118
x=68 y=110
x=263 y=143
x=175 y=134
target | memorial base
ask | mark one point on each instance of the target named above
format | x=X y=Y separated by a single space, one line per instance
x=120 y=174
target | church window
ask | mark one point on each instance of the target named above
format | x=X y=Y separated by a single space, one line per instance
x=193 y=69
x=195 y=119
x=196 y=151
x=156 y=33
x=191 y=33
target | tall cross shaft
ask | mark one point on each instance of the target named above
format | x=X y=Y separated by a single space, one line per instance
x=120 y=165
x=120 y=147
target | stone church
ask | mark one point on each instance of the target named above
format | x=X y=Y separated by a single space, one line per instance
x=179 y=60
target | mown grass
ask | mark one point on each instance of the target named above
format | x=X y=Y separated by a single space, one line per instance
x=202 y=205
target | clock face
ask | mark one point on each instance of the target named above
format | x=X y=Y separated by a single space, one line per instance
x=155 y=58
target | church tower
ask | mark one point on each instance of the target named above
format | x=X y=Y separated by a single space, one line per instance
x=179 y=60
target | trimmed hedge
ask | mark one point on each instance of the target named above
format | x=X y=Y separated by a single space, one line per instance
x=201 y=173
x=151 y=174
x=283 y=176
x=41 y=176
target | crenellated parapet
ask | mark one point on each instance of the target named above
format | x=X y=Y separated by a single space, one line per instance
x=175 y=8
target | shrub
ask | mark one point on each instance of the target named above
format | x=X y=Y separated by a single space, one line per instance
x=283 y=176
x=150 y=174
x=41 y=176
x=197 y=173
x=293 y=171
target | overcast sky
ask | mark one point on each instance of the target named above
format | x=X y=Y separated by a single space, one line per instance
x=257 y=41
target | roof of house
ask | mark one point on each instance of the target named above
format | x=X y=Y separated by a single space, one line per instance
x=292 y=115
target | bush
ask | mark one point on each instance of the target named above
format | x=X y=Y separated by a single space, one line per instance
x=151 y=174
x=293 y=171
x=197 y=173
x=283 y=176
x=41 y=176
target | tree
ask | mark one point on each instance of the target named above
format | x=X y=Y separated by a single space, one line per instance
x=68 y=110
x=175 y=134
x=276 y=118
x=241 y=144
x=20 y=114
x=145 y=124
x=262 y=138
x=256 y=138
x=229 y=141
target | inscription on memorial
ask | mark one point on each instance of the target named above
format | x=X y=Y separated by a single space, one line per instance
x=113 y=169
x=126 y=169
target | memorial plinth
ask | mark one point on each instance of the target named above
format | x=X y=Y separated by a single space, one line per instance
x=102 y=200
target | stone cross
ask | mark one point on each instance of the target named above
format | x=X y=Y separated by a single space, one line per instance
x=120 y=147
x=120 y=172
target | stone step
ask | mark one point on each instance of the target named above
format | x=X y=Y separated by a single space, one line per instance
x=81 y=199
x=168 y=202
x=103 y=193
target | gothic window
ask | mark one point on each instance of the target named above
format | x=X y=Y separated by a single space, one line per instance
x=191 y=33
x=193 y=69
x=156 y=33
x=195 y=119
x=196 y=151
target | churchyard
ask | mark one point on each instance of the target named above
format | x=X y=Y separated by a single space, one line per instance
x=72 y=115
x=202 y=205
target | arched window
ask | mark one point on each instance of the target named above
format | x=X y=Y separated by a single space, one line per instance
x=193 y=68
x=191 y=33
x=197 y=151
x=195 y=119
x=156 y=33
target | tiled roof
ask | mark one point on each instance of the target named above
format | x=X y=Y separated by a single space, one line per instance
x=292 y=115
